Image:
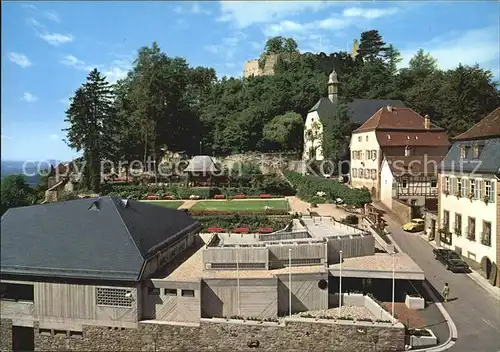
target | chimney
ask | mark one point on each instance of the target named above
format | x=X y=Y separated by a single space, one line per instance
x=389 y=108
x=427 y=122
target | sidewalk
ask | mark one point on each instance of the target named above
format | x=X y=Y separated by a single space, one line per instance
x=474 y=275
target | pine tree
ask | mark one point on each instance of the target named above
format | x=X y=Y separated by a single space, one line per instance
x=93 y=126
x=371 y=45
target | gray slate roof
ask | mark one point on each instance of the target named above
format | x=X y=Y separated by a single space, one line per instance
x=95 y=238
x=359 y=110
x=488 y=162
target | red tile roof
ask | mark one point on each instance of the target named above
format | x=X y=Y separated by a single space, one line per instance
x=487 y=127
x=395 y=119
x=428 y=138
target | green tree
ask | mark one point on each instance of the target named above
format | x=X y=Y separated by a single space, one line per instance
x=285 y=130
x=371 y=46
x=336 y=132
x=93 y=126
x=15 y=193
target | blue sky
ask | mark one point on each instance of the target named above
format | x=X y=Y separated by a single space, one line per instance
x=49 y=47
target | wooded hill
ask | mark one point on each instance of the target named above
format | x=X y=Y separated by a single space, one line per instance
x=165 y=104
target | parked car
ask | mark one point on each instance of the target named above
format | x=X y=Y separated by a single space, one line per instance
x=451 y=260
x=414 y=225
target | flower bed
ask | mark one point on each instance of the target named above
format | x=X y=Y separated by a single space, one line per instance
x=308 y=187
x=253 y=222
x=269 y=212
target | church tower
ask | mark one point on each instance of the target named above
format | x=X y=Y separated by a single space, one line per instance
x=333 y=87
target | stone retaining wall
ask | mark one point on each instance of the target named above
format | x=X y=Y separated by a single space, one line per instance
x=295 y=336
x=5 y=335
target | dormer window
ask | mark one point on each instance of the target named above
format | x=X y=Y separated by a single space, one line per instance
x=407 y=151
x=475 y=150
x=462 y=152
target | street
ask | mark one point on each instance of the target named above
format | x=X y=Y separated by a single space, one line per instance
x=475 y=311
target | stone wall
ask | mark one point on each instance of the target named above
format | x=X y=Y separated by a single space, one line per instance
x=295 y=336
x=268 y=162
x=5 y=335
x=401 y=210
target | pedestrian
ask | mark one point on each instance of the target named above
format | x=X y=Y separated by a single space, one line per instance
x=446 y=291
x=429 y=233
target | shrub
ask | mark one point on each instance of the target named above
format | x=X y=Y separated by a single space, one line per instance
x=350 y=220
x=308 y=187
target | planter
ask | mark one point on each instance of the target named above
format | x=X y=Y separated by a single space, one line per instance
x=417 y=341
x=414 y=302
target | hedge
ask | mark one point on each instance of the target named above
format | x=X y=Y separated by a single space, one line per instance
x=308 y=187
x=253 y=222
x=273 y=186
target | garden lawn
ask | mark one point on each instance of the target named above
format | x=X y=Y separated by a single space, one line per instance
x=174 y=204
x=241 y=205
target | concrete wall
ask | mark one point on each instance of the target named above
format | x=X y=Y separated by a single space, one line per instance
x=233 y=255
x=278 y=254
x=210 y=336
x=402 y=210
x=306 y=294
x=355 y=245
x=257 y=298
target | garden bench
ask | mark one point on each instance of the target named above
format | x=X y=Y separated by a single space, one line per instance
x=241 y=230
x=265 y=230
x=265 y=196
x=215 y=229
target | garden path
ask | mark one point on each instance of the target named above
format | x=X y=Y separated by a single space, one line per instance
x=299 y=206
x=188 y=204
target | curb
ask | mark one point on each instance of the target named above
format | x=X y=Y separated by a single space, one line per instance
x=451 y=325
x=494 y=291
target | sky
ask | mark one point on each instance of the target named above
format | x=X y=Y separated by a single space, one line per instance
x=48 y=48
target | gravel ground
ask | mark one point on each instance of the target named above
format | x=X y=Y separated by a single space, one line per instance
x=353 y=312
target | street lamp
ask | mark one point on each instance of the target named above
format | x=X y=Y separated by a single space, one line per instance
x=290 y=282
x=393 y=282
x=238 y=279
x=340 y=284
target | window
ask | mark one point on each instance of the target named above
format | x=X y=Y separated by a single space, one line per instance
x=472 y=189
x=352 y=155
x=488 y=190
x=446 y=220
x=367 y=173
x=153 y=291
x=170 y=292
x=234 y=266
x=187 y=293
x=301 y=262
x=407 y=151
x=459 y=187
x=374 y=174
x=16 y=292
x=433 y=183
x=413 y=202
x=405 y=183
x=368 y=154
x=486 y=234
x=479 y=186
x=446 y=185
x=114 y=297
x=471 y=231
x=462 y=152
x=359 y=139
x=458 y=224
x=374 y=155
x=367 y=138
x=475 y=150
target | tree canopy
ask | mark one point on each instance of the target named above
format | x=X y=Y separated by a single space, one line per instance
x=15 y=193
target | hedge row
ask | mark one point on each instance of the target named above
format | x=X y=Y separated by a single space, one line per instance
x=274 y=187
x=253 y=222
x=270 y=212
x=308 y=187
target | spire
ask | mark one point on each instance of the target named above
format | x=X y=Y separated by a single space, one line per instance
x=333 y=86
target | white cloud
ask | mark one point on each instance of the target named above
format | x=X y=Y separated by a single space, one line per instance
x=116 y=70
x=54 y=136
x=52 y=15
x=28 y=6
x=369 y=13
x=290 y=27
x=28 y=97
x=194 y=8
x=470 y=47
x=56 y=39
x=244 y=14
x=19 y=59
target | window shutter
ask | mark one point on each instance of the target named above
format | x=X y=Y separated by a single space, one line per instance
x=465 y=187
x=479 y=186
x=483 y=189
